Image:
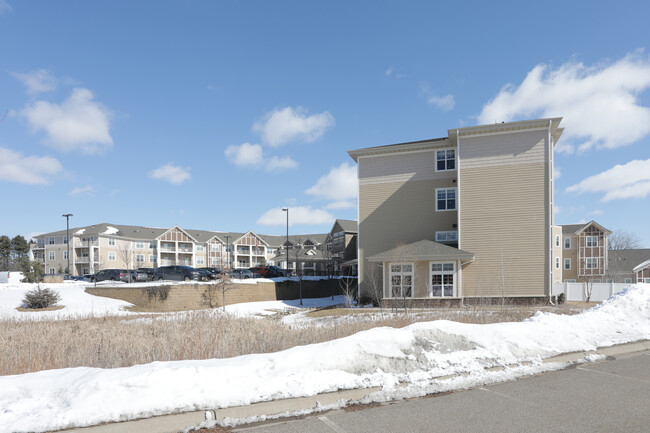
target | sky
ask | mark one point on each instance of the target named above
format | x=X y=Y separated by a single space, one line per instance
x=216 y=115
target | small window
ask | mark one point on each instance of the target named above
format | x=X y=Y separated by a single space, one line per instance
x=199 y=248
x=567 y=243
x=52 y=255
x=139 y=258
x=214 y=248
x=65 y=255
x=52 y=271
x=270 y=251
x=628 y=281
x=592 y=241
x=557 y=263
x=445 y=199
x=111 y=256
x=153 y=258
x=647 y=280
x=200 y=261
x=451 y=236
x=557 y=240
x=65 y=240
x=591 y=263
x=152 y=245
x=442 y=279
x=445 y=160
x=139 y=245
x=567 y=264
x=111 y=241
x=50 y=240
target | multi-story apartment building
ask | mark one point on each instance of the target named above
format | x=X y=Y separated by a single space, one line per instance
x=105 y=245
x=467 y=215
x=341 y=242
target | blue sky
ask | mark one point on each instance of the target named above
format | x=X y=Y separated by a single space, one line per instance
x=214 y=115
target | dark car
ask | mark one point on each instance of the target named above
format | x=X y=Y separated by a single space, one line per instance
x=110 y=275
x=177 y=273
x=267 y=271
x=213 y=271
x=207 y=275
x=149 y=271
x=240 y=273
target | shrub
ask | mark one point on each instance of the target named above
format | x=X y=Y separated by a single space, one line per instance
x=41 y=298
x=561 y=298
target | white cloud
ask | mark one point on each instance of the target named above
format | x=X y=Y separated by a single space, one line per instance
x=78 y=190
x=79 y=123
x=5 y=7
x=445 y=103
x=297 y=215
x=597 y=212
x=37 y=81
x=599 y=104
x=32 y=170
x=631 y=180
x=557 y=172
x=277 y=163
x=171 y=173
x=343 y=204
x=252 y=156
x=339 y=184
x=245 y=155
x=281 y=126
x=389 y=72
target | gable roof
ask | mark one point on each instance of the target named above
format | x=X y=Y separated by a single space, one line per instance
x=348 y=226
x=579 y=228
x=180 y=230
x=626 y=261
x=422 y=250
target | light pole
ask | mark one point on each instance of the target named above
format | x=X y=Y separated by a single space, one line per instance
x=286 y=245
x=227 y=252
x=67 y=237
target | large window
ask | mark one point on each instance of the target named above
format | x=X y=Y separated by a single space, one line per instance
x=445 y=199
x=592 y=241
x=50 y=240
x=401 y=280
x=152 y=258
x=445 y=160
x=442 y=276
x=591 y=262
x=451 y=236
x=214 y=247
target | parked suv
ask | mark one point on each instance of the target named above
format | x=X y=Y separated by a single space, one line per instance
x=267 y=271
x=110 y=275
x=177 y=273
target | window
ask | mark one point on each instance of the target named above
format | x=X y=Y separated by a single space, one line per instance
x=152 y=245
x=647 y=280
x=139 y=245
x=570 y=281
x=557 y=263
x=214 y=261
x=628 y=281
x=52 y=271
x=557 y=240
x=65 y=240
x=139 y=258
x=111 y=256
x=592 y=241
x=591 y=262
x=199 y=248
x=447 y=236
x=401 y=280
x=567 y=264
x=445 y=199
x=200 y=261
x=214 y=248
x=442 y=279
x=50 y=240
x=152 y=258
x=270 y=251
x=567 y=243
x=111 y=241
x=445 y=160
x=52 y=255
x=65 y=255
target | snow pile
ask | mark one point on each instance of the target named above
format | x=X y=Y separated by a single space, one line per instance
x=80 y=232
x=110 y=230
x=265 y=308
x=75 y=301
x=384 y=357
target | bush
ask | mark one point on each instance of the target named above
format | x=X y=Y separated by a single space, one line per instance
x=561 y=298
x=41 y=298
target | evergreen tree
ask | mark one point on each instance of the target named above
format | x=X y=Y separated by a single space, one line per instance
x=20 y=248
x=32 y=271
x=5 y=252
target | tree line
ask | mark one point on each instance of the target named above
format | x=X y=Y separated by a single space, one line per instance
x=14 y=256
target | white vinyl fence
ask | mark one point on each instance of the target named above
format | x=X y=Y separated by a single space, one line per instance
x=581 y=291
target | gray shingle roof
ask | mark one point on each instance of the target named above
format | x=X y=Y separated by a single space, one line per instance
x=624 y=261
x=571 y=228
x=348 y=226
x=422 y=250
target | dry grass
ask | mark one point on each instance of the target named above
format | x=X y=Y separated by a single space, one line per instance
x=110 y=342
x=35 y=310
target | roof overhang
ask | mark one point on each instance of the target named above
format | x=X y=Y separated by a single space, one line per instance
x=595 y=224
x=642 y=266
x=399 y=147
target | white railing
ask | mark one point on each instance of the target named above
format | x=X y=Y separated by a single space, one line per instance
x=596 y=292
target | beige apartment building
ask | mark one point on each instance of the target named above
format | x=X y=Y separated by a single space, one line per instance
x=464 y=216
x=105 y=246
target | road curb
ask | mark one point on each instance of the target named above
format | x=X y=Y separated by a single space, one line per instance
x=178 y=422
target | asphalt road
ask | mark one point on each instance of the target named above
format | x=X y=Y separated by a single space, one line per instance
x=608 y=396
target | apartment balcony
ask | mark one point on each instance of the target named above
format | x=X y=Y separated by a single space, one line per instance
x=243 y=251
x=84 y=260
x=167 y=248
x=79 y=243
x=185 y=250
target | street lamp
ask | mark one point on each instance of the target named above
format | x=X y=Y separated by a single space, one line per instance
x=227 y=252
x=67 y=237
x=286 y=245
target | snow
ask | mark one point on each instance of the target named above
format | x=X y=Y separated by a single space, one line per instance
x=75 y=301
x=80 y=232
x=404 y=362
x=110 y=230
x=265 y=308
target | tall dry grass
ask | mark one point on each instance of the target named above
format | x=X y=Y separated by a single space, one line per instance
x=109 y=342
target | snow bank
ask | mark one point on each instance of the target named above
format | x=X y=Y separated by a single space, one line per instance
x=383 y=357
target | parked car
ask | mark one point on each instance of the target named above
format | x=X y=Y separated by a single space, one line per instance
x=110 y=275
x=177 y=273
x=213 y=271
x=240 y=273
x=207 y=275
x=139 y=276
x=149 y=271
x=267 y=271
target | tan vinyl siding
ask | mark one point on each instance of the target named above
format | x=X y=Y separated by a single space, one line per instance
x=570 y=253
x=399 y=213
x=414 y=166
x=557 y=253
x=504 y=216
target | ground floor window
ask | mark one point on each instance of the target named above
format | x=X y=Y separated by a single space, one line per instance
x=200 y=261
x=401 y=280
x=628 y=281
x=442 y=277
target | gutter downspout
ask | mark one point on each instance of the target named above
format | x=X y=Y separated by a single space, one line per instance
x=550 y=214
x=460 y=289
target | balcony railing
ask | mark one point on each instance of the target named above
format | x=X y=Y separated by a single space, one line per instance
x=78 y=243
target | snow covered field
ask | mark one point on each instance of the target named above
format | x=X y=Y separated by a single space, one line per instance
x=383 y=357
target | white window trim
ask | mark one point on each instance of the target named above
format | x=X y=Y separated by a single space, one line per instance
x=111 y=254
x=591 y=238
x=571 y=280
x=401 y=273
x=447 y=234
x=443 y=272
x=557 y=240
x=455 y=199
x=565 y=242
x=139 y=245
x=445 y=150
x=52 y=255
x=567 y=261
x=557 y=263
x=111 y=242
x=591 y=260
x=152 y=258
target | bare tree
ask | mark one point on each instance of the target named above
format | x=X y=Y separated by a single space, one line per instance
x=125 y=252
x=212 y=291
x=374 y=286
x=348 y=288
x=297 y=255
x=622 y=240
